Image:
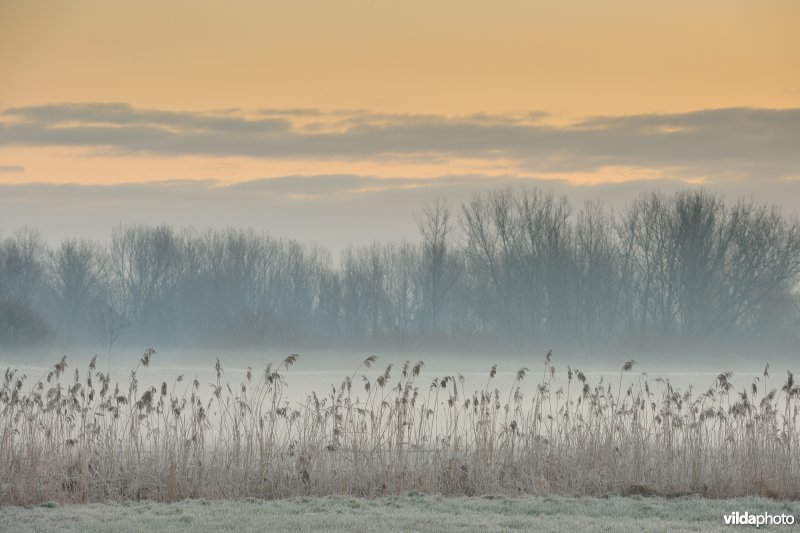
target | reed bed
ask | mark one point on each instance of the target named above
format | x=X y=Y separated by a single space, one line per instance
x=75 y=437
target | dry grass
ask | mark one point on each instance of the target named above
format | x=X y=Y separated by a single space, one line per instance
x=84 y=439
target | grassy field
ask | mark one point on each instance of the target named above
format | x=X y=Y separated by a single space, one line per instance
x=409 y=512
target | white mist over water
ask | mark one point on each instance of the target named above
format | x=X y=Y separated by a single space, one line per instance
x=323 y=374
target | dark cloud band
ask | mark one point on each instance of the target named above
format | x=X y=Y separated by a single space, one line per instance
x=11 y=168
x=735 y=142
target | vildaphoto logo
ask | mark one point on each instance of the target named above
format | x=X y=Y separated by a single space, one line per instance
x=764 y=519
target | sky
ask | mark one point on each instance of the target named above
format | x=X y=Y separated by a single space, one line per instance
x=332 y=122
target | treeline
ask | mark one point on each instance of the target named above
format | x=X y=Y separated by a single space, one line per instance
x=510 y=269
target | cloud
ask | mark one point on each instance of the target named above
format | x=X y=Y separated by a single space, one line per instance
x=334 y=184
x=304 y=185
x=11 y=168
x=334 y=210
x=291 y=111
x=719 y=143
x=124 y=115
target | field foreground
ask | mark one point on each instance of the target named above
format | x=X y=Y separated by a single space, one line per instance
x=409 y=512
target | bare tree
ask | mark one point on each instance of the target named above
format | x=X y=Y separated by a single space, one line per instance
x=439 y=266
x=76 y=278
x=597 y=274
x=403 y=290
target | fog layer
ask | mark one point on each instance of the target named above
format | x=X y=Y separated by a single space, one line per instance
x=513 y=270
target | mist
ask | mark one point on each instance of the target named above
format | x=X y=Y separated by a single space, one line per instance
x=509 y=274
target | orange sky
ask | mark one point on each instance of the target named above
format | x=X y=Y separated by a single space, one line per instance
x=573 y=59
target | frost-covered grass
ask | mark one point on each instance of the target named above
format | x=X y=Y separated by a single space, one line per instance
x=86 y=439
x=409 y=512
